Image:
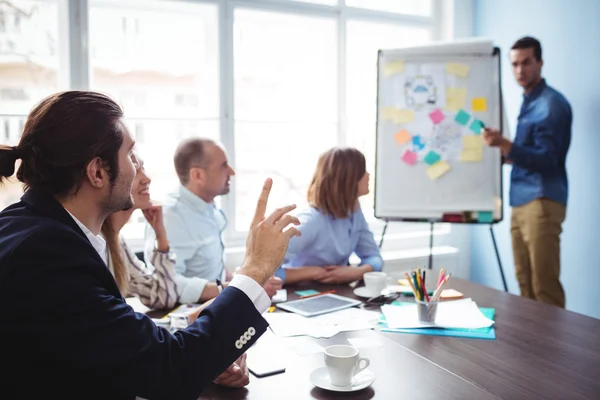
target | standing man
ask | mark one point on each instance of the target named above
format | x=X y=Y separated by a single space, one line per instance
x=539 y=185
x=195 y=224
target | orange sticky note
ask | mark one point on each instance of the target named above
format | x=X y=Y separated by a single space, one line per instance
x=451 y=294
x=402 y=137
x=479 y=104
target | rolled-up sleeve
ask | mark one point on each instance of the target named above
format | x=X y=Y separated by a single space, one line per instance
x=366 y=247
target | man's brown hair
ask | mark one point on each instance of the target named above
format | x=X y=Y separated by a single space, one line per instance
x=190 y=153
x=334 y=186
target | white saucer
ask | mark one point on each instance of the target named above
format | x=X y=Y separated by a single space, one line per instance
x=364 y=292
x=320 y=378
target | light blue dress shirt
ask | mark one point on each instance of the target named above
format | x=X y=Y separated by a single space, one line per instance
x=327 y=241
x=194 y=228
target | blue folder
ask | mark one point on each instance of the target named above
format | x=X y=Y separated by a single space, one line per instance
x=481 y=333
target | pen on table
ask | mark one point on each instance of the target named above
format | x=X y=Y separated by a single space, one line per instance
x=317 y=294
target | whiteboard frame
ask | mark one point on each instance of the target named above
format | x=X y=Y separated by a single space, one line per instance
x=466 y=219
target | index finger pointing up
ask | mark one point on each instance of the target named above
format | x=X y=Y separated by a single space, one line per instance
x=261 y=206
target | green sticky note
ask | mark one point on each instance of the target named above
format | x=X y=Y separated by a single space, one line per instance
x=476 y=127
x=432 y=157
x=307 y=292
x=485 y=216
x=462 y=117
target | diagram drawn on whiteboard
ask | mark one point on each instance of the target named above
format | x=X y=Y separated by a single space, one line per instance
x=420 y=91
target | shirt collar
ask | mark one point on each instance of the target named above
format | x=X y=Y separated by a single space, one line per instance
x=96 y=240
x=535 y=92
x=193 y=200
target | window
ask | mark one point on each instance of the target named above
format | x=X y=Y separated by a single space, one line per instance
x=29 y=65
x=296 y=77
x=285 y=89
x=414 y=7
x=364 y=39
x=160 y=61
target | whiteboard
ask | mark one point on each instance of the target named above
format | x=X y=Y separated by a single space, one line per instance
x=431 y=163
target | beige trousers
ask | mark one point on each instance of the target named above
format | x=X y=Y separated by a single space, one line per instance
x=535 y=229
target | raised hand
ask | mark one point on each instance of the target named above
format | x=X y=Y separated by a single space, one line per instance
x=268 y=238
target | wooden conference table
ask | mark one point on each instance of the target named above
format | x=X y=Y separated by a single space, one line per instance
x=540 y=352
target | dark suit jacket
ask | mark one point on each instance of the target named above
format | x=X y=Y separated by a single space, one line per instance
x=67 y=331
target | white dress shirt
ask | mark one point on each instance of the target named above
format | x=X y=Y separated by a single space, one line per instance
x=97 y=241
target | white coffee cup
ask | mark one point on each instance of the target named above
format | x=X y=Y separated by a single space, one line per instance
x=342 y=362
x=375 y=282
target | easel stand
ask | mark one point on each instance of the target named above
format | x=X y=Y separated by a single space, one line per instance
x=430 y=266
x=498 y=258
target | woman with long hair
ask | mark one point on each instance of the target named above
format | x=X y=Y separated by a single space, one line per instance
x=154 y=283
x=333 y=227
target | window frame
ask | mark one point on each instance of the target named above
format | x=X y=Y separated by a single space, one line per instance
x=76 y=71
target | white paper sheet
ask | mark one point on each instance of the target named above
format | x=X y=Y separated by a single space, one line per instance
x=322 y=326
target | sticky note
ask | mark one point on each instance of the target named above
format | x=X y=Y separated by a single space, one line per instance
x=455 y=98
x=394 y=67
x=432 y=157
x=461 y=70
x=437 y=116
x=417 y=142
x=479 y=104
x=403 y=116
x=307 y=292
x=409 y=157
x=438 y=169
x=403 y=282
x=472 y=142
x=462 y=117
x=471 y=155
x=485 y=216
x=402 y=137
x=388 y=113
x=476 y=127
x=451 y=294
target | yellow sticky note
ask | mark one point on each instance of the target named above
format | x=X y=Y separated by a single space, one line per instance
x=479 y=104
x=402 y=137
x=438 y=169
x=471 y=155
x=403 y=282
x=388 y=113
x=455 y=98
x=394 y=67
x=457 y=69
x=403 y=116
x=472 y=142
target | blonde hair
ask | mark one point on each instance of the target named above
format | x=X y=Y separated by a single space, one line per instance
x=116 y=255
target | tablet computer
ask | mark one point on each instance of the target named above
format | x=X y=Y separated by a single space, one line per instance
x=318 y=305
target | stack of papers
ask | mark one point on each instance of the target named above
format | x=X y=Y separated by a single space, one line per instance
x=458 y=314
x=321 y=326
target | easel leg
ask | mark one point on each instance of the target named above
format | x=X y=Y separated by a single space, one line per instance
x=498 y=258
x=431 y=246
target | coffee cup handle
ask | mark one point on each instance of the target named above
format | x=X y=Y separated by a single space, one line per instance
x=361 y=365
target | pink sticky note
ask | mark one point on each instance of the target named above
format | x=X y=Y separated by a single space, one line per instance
x=437 y=116
x=409 y=157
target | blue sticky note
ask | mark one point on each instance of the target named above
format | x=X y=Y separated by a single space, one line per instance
x=462 y=117
x=307 y=292
x=485 y=216
x=417 y=144
x=432 y=157
x=476 y=126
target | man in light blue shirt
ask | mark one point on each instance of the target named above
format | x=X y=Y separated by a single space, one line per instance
x=195 y=225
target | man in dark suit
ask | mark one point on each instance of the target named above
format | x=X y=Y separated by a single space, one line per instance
x=66 y=329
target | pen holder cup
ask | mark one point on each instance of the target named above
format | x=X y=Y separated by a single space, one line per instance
x=427 y=310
